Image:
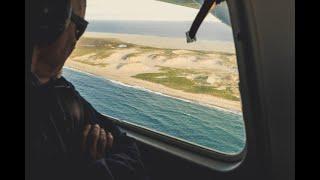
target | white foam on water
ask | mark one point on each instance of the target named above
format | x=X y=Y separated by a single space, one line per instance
x=158 y=93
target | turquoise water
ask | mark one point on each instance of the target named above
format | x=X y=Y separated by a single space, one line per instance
x=211 y=127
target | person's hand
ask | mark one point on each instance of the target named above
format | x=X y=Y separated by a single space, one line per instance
x=95 y=141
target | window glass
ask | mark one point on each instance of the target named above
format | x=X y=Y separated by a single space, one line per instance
x=133 y=63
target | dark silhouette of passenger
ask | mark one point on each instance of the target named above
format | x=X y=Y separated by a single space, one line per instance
x=69 y=139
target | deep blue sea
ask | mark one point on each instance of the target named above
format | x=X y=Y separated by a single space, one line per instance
x=212 y=31
x=211 y=127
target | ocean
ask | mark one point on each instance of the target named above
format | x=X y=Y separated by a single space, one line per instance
x=213 y=128
x=212 y=31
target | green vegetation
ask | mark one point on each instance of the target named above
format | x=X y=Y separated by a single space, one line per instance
x=104 y=47
x=94 y=64
x=188 y=80
x=140 y=52
x=100 y=48
x=202 y=79
x=97 y=53
x=187 y=3
x=175 y=78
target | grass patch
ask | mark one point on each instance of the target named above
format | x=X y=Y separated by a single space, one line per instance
x=202 y=79
x=172 y=77
x=103 y=47
x=131 y=55
x=94 y=64
x=186 y=3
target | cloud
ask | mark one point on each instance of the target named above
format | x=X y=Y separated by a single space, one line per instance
x=140 y=10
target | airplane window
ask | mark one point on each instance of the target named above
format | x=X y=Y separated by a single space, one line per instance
x=133 y=63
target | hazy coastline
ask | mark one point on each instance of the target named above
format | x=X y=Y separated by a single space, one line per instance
x=120 y=67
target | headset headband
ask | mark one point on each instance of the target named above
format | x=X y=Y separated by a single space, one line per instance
x=50 y=19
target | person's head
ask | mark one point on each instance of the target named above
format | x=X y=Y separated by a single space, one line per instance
x=58 y=26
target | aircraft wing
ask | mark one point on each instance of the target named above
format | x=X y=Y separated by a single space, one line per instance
x=220 y=12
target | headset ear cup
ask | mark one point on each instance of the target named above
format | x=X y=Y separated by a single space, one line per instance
x=50 y=19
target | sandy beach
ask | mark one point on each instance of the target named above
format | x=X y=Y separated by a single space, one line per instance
x=126 y=61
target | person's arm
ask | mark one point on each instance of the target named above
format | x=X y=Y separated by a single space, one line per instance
x=123 y=160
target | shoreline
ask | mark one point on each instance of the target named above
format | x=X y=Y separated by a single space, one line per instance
x=120 y=69
x=155 y=92
x=201 y=99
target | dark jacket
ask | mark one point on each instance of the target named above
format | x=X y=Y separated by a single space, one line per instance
x=57 y=115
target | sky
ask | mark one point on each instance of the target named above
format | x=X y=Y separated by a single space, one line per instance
x=136 y=10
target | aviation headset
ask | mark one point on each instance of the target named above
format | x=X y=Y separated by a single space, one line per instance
x=49 y=19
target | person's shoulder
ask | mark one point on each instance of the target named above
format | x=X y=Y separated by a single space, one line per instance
x=63 y=82
x=66 y=86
